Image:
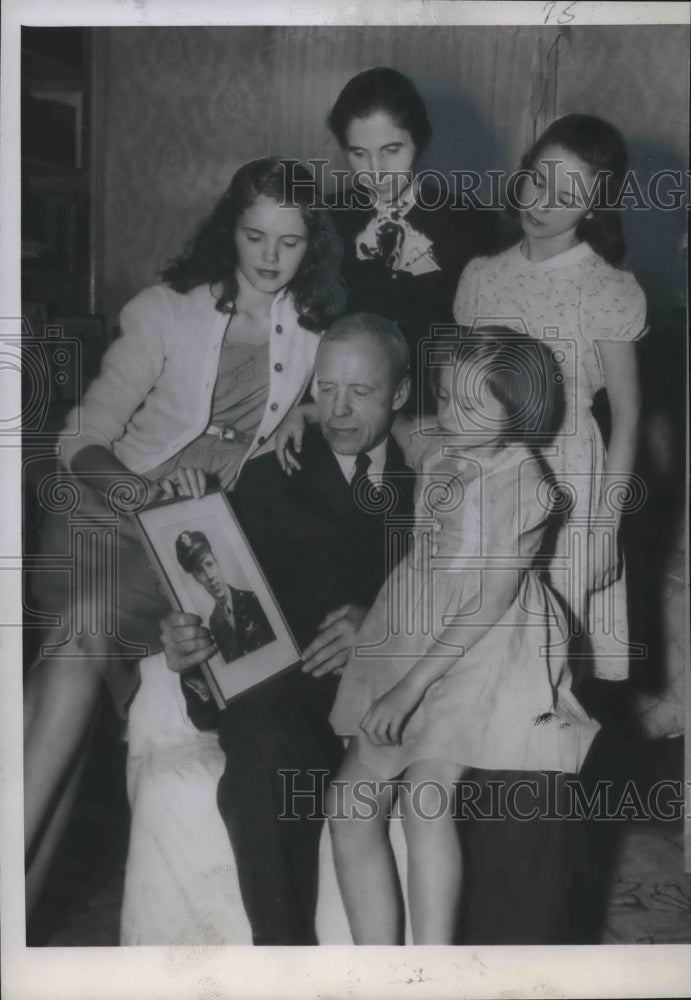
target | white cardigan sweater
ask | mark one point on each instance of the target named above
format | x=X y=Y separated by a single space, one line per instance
x=153 y=394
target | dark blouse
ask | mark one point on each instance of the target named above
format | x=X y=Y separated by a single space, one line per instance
x=416 y=301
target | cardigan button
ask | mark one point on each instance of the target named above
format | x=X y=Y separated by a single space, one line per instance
x=261 y=440
x=279 y=328
x=273 y=407
x=278 y=366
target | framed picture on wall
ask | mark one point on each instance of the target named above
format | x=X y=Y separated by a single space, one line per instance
x=208 y=568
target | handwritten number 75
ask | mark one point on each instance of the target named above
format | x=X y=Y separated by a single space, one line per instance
x=562 y=14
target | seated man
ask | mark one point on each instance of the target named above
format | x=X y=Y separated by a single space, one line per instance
x=322 y=551
x=320 y=536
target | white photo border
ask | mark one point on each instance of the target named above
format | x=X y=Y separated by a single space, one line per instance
x=237 y=972
x=159 y=525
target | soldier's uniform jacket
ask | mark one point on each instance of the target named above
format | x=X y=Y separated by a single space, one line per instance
x=249 y=629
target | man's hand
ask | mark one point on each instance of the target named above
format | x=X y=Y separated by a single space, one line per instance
x=185 y=641
x=329 y=651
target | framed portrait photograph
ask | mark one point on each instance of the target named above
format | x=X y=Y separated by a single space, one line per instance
x=209 y=569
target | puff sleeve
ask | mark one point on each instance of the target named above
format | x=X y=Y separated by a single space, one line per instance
x=612 y=305
x=465 y=301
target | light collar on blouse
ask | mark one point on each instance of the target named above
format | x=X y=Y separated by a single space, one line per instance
x=565 y=258
x=389 y=236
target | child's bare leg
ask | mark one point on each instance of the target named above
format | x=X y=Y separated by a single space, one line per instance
x=61 y=697
x=434 y=851
x=365 y=865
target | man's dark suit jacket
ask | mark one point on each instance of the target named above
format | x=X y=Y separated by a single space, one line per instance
x=250 y=630
x=318 y=548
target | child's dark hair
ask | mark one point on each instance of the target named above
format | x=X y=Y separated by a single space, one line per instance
x=602 y=147
x=211 y=257
x=381 y=89
x=521 y=373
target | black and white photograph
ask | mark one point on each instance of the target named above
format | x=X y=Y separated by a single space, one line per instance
x=345 y=503
x=213 y=574
x=237 y=622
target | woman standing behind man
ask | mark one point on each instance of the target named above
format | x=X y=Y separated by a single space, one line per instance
x=402 y=259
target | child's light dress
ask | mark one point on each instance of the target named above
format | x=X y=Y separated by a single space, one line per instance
x=572 y=300
x=506 y=703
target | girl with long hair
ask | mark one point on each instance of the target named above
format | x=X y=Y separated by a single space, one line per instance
x=563 y=282
x=208 y=364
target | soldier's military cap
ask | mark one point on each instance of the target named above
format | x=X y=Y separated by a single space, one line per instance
x=190 y=547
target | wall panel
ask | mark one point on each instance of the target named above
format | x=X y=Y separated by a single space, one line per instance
x=184 y=109
x=478 y=83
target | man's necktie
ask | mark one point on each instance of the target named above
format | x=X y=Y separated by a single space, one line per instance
x=362 y=464
x=229 y=614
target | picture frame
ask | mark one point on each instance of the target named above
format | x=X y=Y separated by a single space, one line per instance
x=208 y=568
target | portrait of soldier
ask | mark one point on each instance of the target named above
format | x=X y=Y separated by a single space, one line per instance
x=237 y=623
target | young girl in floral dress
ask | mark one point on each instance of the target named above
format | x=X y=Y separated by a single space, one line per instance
x=562 y=283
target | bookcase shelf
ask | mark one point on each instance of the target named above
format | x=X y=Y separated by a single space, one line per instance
x=57 y=181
